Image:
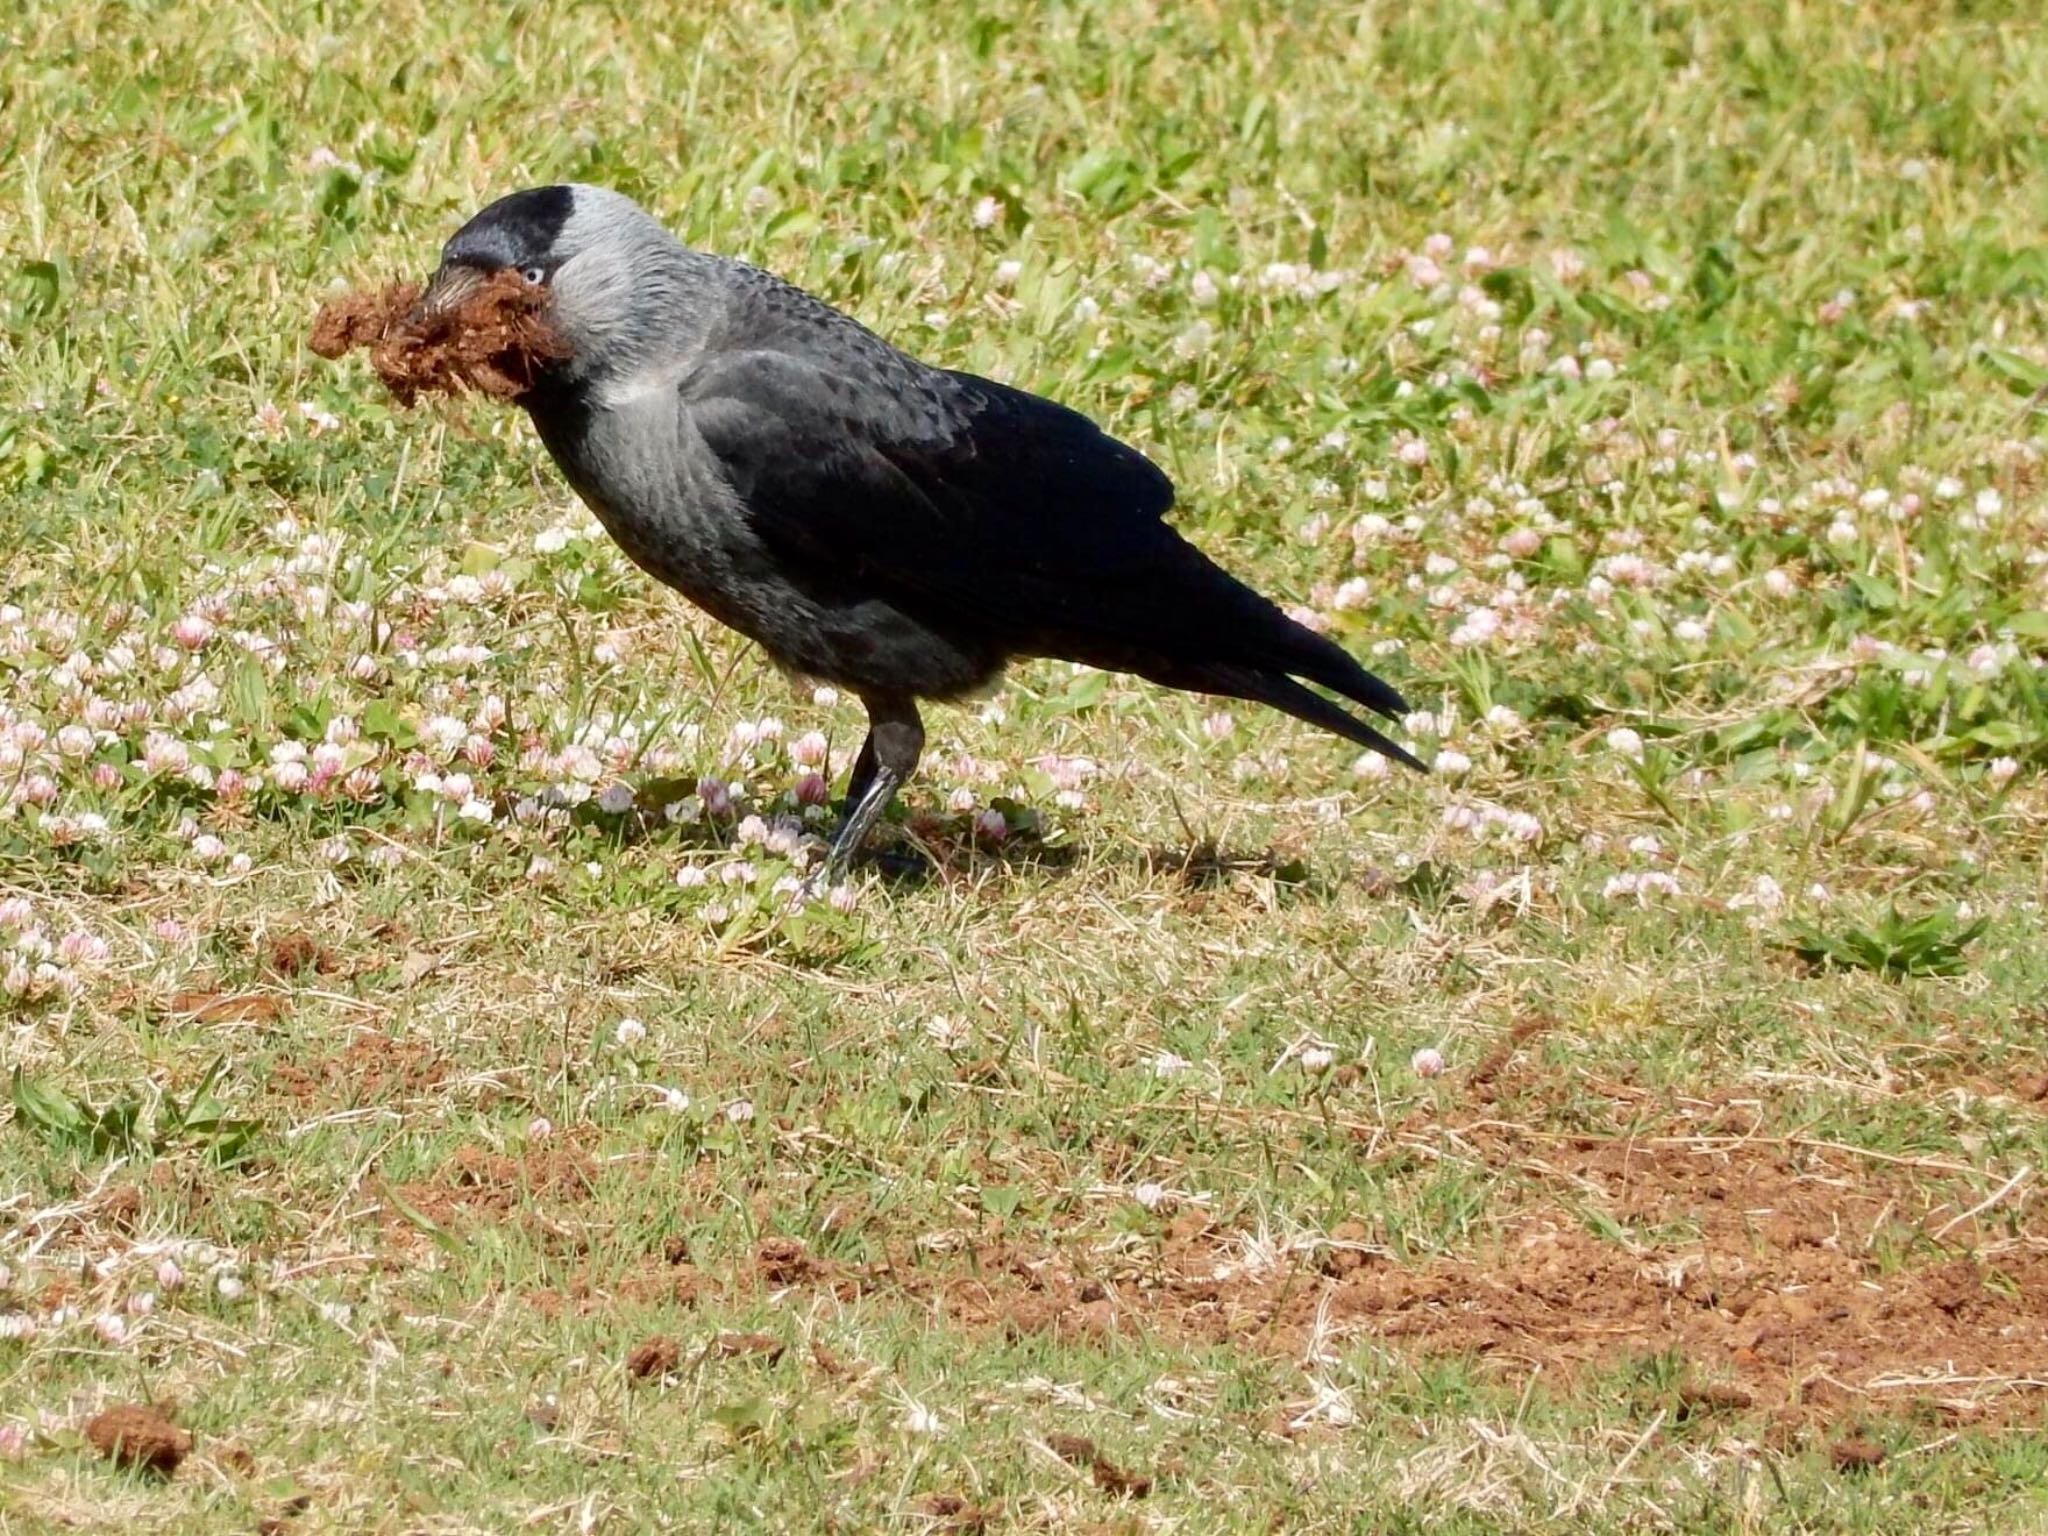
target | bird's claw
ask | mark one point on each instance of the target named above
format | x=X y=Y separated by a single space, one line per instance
x=808 y=890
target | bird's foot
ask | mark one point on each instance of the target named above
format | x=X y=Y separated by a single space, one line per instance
x=827 y=882
x=812 y=887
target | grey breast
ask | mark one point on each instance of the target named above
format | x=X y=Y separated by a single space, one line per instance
x=642 y=467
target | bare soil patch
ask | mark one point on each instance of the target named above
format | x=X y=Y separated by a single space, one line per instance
x=370 y=1069
x=1783 y=1277
x=1789 y=1278
x=478 y=1184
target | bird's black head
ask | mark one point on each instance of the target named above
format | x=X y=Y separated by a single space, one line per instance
x=610 y=273
x=521 y=231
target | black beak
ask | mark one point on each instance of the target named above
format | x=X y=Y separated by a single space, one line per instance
x=450 y=286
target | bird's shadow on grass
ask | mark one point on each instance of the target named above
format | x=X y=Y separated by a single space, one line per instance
x=917 y=847
x=912 y=863
x=914 y=860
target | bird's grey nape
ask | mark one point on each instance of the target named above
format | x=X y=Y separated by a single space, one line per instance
x=634 y=303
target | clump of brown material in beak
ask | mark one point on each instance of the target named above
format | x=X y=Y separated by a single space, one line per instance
x=490 y=335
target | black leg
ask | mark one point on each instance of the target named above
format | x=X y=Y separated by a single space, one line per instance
x=895 y=742
x=863 y=774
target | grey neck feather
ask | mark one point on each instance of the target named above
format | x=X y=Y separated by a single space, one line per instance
x=636 y=305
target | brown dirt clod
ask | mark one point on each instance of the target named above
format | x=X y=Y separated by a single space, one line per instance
x=953 y=1512
x=1715 y=1397
x=1080 y=1451
x=121 y=1207
x=294 y=954
x=653 y=1356
x=138 y=1435
x=496 y=341
x=783 y=1261
x=732 y=1346
x=1855 y=1455
x=1117 y=1482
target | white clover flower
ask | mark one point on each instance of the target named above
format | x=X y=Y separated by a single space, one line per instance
x=1479 y=626
x=1764 y=894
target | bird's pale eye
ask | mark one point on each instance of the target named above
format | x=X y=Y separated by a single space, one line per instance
x=535 y=275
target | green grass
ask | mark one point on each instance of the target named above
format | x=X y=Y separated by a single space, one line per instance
x=1736 y=430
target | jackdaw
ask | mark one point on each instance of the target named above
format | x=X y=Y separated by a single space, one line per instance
x=897 y=530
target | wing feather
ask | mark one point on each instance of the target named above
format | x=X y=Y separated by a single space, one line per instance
x=990 y=514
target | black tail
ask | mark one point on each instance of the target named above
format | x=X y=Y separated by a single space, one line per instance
x=1195 y=626
x=1283 y=692
x=1272 y=650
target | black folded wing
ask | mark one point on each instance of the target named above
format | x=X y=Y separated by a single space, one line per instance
x=989 y=513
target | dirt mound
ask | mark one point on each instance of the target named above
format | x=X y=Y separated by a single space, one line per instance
x=495 y=341
x=137 y=1435
x=784 y=1261
x=653 y=1356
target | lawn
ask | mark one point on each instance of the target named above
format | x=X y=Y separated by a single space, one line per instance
x=420 y=1093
